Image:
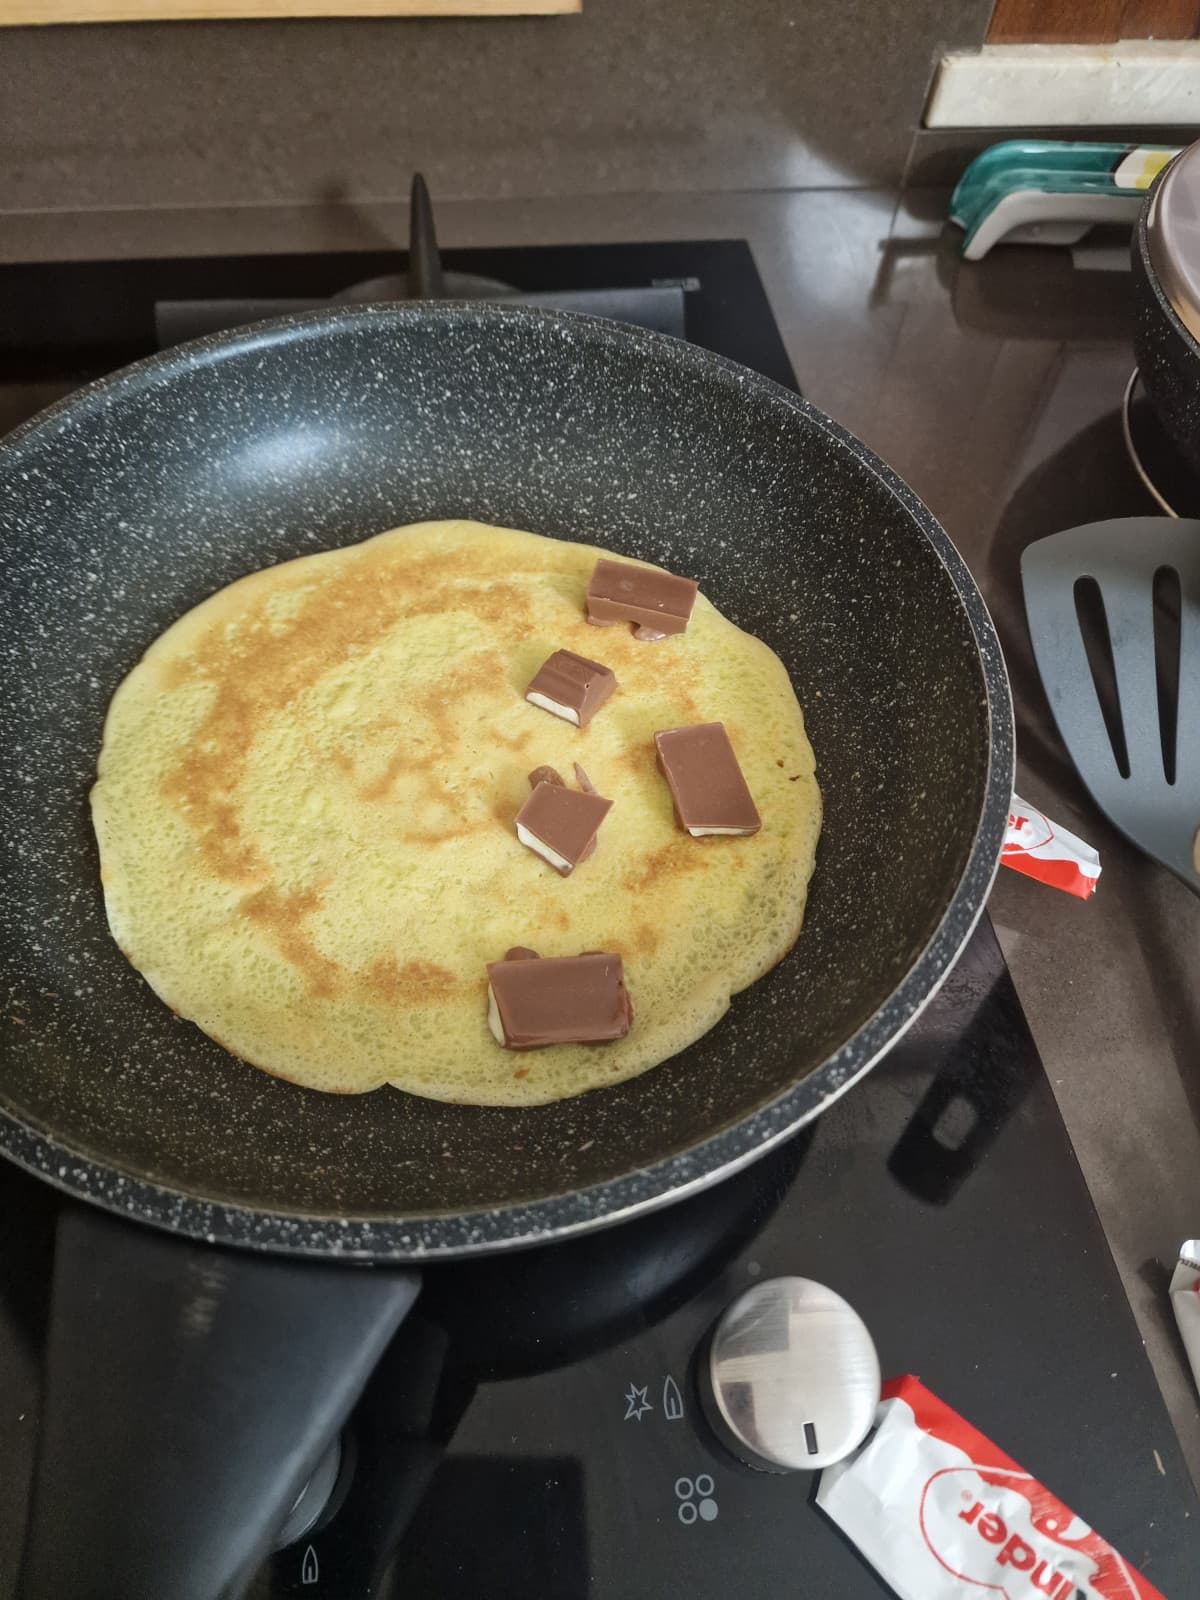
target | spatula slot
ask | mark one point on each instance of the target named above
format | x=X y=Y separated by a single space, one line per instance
x=1168 y=603
x=1093 y=628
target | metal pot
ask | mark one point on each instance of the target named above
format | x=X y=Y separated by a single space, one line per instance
x=1166 y=276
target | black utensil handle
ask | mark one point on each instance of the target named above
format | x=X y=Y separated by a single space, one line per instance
x=426 y=280
x=189 y=1392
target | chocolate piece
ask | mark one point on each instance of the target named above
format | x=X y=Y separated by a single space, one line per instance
x=559 y=1000
x=545 y=775
x=582 y=779
x=659 y=602
x=571 y=687
x=560 y=825
x=520 y=952
x=706 y=782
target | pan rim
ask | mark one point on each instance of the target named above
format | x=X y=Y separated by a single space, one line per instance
x=445 y=1235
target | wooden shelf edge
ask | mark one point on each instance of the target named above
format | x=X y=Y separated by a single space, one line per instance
x=47 y=13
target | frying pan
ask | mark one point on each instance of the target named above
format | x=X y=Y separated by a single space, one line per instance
x=132 y=500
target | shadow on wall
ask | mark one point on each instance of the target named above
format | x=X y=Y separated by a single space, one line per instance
x=685 y=95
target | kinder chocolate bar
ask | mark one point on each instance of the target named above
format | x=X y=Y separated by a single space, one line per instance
x=941 y=1513
x=1045 y=850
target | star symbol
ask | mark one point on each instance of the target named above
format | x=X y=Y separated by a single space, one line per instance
x=636 y=1403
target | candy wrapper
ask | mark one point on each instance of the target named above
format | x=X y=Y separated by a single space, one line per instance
x=941 y=1513
x=1185 y=1297
x=1047 y=851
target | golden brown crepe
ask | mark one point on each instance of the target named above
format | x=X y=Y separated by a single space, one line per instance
x=305 y=808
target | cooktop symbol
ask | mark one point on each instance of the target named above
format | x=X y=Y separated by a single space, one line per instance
x=696 y=1499
x=672 y=1400
x=309 y=1570
x=636 y=1403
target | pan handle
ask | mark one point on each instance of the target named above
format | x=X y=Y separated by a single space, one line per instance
x=189 y=1393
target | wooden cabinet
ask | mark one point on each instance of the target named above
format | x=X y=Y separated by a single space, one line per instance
x=1092 y=21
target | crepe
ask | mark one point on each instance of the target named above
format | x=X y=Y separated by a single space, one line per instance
x=305 y=805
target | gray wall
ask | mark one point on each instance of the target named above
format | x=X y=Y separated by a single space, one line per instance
x=634 y=95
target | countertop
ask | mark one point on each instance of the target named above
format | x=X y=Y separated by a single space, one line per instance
x=994 y=389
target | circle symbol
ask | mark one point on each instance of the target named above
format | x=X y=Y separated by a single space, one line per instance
x=704 y=1484
x=683 y=1488
x=708 y=1510
x=687 y=1512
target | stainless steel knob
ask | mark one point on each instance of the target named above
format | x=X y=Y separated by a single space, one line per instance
x=792 y=1378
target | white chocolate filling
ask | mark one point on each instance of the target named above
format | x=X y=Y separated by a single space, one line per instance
x=567 y=713
x=535 y=844
x=494 y=1022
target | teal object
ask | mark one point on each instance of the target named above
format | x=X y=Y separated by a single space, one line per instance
x=1022 y=176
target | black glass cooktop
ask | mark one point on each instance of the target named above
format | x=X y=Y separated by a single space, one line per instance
x=535 y=1430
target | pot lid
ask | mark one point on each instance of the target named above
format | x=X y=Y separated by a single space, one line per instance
x=1173 y=236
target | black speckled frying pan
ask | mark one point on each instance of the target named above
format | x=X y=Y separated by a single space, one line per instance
x=134 y=499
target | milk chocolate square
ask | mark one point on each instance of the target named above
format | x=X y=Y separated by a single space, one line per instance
x=559 y=1000
x=560 y=824
x=706 y=783
x=571 y=687
x=658 y=602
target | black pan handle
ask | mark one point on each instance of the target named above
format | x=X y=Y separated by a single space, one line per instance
x=189 y=1392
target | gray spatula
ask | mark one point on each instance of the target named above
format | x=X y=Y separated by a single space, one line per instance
x=1142 y=766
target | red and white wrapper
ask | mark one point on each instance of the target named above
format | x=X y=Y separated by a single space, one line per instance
x=1047 y=851
x=941 y=1514
x=1185 y=1297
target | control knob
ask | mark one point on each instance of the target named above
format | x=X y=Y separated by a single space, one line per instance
x=790 y=1380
